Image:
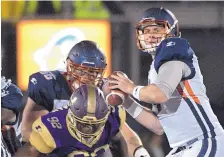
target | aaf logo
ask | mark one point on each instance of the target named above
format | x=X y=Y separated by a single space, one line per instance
x=171 y=43
x=34 y=81
x=5 y=83
x=53 y=55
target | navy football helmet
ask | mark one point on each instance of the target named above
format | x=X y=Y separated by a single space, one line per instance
x=86 y=64
x=158 y=17
x=88 y=114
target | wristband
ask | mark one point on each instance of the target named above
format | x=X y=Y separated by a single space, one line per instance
x=141 y=152
x=136 y=92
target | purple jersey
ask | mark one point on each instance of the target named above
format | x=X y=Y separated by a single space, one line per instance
x=66 y=144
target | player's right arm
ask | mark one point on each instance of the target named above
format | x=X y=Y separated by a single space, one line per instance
x=31 y=112
x=41 y=138
x=33 y=108
x=40 y=141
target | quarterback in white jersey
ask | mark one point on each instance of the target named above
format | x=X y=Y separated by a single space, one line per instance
x=176 y=84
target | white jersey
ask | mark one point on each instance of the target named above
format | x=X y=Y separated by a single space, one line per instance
x=187 y=114
x=4 y=149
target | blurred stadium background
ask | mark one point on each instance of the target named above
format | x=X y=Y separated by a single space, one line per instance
x=36 y=35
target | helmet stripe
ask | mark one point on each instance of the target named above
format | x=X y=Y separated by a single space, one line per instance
x=91 y=108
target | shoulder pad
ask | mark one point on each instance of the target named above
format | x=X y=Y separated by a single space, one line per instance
x=12 y=98
x=42 y=78
x=40 y=82
x=14 y=89
x=39 y=127
x=173 y=49
x=5 y=83
x=11 y=89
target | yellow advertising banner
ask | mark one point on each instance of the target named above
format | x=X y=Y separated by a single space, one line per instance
x=43 y=45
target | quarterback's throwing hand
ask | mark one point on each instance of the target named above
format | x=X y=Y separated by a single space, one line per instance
x=121 y=82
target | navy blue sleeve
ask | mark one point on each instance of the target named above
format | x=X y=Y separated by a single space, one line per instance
x=12 y=98
x=38 y=89
x=34 y=87
x=175 y=49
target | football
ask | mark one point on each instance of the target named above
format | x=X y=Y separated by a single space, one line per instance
x=115 y=97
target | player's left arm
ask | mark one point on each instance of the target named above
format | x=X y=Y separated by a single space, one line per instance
x=158 y=92
x=169 y=76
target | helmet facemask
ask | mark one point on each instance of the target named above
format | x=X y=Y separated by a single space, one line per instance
x=87 y=114
x=80 y=74
x=88 y=129
x=156 y=36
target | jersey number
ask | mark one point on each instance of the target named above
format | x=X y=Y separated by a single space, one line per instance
x=54 y=122
x=48 y=75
